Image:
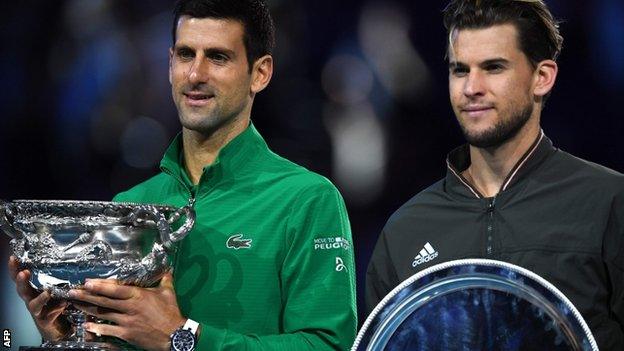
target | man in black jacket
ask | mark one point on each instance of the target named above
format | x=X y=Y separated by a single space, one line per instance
x=509 y=194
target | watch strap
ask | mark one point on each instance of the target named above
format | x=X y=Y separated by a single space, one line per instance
x=191 y=325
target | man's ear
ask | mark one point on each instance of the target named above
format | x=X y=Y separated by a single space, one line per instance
x=170 y=63
x=261 y=73
x=545 y=76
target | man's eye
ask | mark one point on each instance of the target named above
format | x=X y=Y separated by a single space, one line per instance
x=459 y=72
x=219 y=57
x=494 y=68
x=186 y=54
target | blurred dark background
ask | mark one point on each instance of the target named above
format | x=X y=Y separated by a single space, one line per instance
x=359 y=95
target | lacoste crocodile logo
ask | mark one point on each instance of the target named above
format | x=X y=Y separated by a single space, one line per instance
x=236 y=242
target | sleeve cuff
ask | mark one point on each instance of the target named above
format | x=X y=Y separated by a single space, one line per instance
x=210 y=338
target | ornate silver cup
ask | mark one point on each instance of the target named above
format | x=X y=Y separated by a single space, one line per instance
x=63 y=243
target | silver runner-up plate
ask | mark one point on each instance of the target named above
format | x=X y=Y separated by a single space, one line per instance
x=475 y=304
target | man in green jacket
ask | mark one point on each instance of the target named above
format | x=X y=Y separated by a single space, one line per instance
x=269 y=263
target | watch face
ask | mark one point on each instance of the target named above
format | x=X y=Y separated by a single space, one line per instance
x=183 y=340
x=475 y=305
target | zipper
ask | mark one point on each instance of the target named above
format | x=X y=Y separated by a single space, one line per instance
x=191 y=202
x=191 y=196
x=490 y=225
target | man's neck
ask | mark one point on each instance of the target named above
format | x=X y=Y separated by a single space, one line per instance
x=201 y=150
x=489 y=167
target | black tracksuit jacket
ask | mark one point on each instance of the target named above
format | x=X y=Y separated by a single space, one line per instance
x=556 y=215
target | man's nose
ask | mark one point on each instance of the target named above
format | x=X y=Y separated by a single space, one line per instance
x=198 y=72
x=474 y=84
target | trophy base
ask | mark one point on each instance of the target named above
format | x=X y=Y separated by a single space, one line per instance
x=72 y=346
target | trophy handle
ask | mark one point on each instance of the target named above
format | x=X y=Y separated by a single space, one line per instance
x=6 y=220
x=151 y=215
x=167 y=238
x=179 y=234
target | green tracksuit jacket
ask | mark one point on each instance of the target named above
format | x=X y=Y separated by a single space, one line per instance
x=269 y=263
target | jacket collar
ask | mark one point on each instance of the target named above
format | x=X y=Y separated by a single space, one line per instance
x=458 y=161
x=232 y=161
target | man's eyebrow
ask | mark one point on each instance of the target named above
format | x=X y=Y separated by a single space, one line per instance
x=457 y=64
x=494 y=61
x=218 y=50
x=178 y=47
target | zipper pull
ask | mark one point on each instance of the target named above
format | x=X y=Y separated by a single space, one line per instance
x=191 y=201
x=491 y=203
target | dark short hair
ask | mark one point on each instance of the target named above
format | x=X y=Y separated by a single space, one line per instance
x=538 y=31
x=259 y=36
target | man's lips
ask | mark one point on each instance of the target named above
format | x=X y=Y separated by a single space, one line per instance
x=197 y=98
x=476 y=111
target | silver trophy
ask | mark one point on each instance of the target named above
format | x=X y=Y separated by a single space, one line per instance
x=63 y=243
x=475 y=304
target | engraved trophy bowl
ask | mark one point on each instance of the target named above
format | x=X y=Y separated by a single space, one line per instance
x=63 y=243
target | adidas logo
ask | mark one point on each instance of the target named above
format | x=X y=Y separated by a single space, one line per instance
x=425 y=255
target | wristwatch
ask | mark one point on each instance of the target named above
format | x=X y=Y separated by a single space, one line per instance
x=185 y=337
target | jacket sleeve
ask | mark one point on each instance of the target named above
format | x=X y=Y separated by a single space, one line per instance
x=317 y=278
x=381 y=277
x=613 y=249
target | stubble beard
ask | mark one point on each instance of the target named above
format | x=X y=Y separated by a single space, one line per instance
x=206 y=122
x=501 y=132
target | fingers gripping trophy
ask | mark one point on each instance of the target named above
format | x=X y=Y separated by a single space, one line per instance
x=57 y=245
